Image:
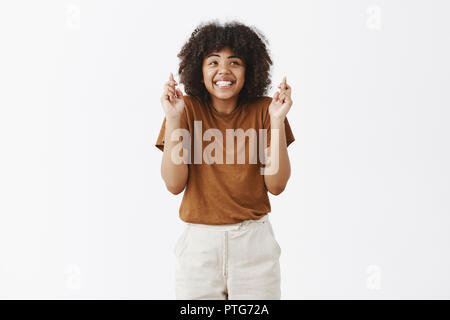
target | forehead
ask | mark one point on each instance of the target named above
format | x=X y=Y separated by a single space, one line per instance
x=225 y=52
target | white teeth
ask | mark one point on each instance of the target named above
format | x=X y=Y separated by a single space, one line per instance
x=223 y=83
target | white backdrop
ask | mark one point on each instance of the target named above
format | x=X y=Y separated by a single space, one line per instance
x=84 y=212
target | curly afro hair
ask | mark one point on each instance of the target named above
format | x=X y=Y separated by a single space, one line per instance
x=248 y=43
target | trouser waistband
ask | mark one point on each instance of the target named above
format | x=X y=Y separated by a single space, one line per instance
x=226 y=227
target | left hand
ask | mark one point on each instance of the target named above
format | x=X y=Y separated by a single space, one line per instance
x=281 y=102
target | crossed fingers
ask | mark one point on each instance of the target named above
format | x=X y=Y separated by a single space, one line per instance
x=285 y=91
x=169 y=88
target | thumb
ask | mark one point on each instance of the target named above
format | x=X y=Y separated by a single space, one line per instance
x=179 y=93
x=276 y=95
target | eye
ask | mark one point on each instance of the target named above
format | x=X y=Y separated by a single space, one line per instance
x=236 y=62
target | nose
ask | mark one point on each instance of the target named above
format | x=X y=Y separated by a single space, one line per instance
x=223 y=69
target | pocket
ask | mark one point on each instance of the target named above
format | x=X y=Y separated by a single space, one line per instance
x=181 y=242
x=272 y=234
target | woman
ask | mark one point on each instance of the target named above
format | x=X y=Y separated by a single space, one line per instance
x=227 y=249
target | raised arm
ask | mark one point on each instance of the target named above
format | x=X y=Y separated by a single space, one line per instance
x=174 y=175
x=277 y=174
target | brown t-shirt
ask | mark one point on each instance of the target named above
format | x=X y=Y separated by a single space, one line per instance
x=224 y=193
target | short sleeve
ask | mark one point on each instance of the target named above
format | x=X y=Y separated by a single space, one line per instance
x=287 y=129
x=160 y=140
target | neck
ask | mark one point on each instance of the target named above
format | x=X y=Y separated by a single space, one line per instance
x=225 y=106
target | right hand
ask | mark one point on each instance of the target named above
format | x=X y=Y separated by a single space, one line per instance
x=172 y=99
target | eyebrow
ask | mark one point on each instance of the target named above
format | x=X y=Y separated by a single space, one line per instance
x=216 y=55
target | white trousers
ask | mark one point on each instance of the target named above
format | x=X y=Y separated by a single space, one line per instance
x=228 y=262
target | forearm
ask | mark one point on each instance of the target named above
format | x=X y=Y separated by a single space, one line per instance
x=280 y=167
x=174 y=175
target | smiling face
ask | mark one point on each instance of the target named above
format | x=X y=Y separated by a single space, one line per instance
x=223 y=75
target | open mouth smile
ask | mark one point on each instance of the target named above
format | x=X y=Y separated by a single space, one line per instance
x=222 y=84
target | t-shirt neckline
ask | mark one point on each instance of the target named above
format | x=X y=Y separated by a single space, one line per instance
x=221 y=114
